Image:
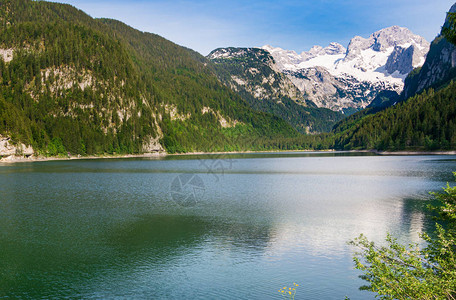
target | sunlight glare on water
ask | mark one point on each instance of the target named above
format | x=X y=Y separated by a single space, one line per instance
x=255 y=223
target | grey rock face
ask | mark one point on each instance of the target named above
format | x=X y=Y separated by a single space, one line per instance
x=7 y=148
x=254 y=70
x=336 y=93
x=356 y=45
x=331 y=49
x=386 y=38
x=316 y=84
x=439 y=67
x=402 y=60
x=152 y=145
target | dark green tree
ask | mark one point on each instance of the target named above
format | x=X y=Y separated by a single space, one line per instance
x=449 y=29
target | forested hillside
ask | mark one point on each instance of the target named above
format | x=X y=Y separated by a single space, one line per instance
x=72 y=83
x=252 y=72
x=424 y=122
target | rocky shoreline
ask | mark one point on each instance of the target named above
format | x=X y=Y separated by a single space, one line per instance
x=8 y=148
x=32 y=158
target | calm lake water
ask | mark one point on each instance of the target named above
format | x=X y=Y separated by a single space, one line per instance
x=206 y=227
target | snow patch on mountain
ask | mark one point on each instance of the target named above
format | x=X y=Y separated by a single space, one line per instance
x=254 y=70
x=382 y=61
x=364 y=59
x=228 y=53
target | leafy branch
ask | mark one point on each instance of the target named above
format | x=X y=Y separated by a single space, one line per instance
x=397 y=271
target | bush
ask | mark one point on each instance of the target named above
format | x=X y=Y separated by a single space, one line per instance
x=55 y=148
x=397 y=271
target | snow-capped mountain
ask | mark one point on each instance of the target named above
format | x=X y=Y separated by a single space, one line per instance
x=349 y=79
x=253 y=73
x=438 y=69
x=289 y=60
x=254 y=70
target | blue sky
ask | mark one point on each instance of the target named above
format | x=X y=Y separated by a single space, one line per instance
x=204 y=25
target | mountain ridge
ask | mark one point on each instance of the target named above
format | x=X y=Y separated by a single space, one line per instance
x=381 y=61
x=338 y=78
x=439 y=68
x=421 y=118
x=252 y=73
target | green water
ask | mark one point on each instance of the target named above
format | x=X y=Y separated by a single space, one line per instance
x=205 y=227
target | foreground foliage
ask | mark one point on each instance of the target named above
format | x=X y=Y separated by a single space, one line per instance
x=289 y=293
x=397 y=271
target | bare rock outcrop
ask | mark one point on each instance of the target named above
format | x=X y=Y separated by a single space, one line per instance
x=8 y=148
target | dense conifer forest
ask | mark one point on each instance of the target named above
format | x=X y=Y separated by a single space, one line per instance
x=423 y=122
x=71 y=83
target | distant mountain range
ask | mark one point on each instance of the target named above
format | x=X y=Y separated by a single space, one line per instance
x=344 y=79
x=422 y=117
x=253 y=73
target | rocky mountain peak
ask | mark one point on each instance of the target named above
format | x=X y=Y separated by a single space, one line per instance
x=284 y=59
x=386 y=39
x=439 y=67
x=394 y=36
x=358 y=73
x=315 y=50
x=335 y=48
x=452 y=10
x=331 y=49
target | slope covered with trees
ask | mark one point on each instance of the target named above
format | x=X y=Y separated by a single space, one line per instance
x=73 y=83
x=252 y=72
x=424 y=122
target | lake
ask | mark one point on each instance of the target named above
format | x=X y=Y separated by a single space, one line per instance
x=238 y=226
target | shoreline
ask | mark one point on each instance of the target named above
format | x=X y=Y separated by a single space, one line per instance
x=32 y=158
x=405 y=153
x=17 y=159
x=249 y=151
